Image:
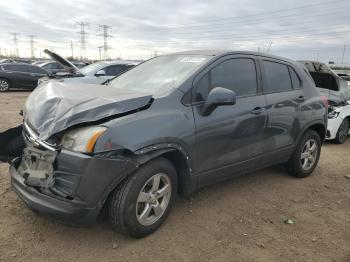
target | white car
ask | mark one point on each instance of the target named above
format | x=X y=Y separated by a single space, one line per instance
x=96 y=73
x=338 y=123
x=337 y=92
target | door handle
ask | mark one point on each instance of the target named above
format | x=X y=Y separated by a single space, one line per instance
x=257 y=110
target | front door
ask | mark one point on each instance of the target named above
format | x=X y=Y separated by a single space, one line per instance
x=230 y=134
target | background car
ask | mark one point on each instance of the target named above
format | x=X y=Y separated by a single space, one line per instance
x=337 y=91
x=96 y=73
x=20 y=75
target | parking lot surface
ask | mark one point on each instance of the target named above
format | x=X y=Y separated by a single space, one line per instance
x=239 y=220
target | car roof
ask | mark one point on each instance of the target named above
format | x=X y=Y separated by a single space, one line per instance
x=219 y=52
x=16 y=64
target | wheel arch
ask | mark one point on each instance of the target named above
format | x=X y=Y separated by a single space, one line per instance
x=320 y=129
x=178 y=157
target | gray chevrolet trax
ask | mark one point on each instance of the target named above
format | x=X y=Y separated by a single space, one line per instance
x=168 y=126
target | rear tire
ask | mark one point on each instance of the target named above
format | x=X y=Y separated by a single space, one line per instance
x=306 y=155
x=4 y=85
x=140 y=205
x=342 y=133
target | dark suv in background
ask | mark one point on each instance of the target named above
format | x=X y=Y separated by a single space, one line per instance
x=170 y=125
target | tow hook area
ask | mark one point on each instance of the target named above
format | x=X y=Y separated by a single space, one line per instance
x=36 y=167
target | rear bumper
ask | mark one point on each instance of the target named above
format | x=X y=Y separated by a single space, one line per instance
x=81 y=185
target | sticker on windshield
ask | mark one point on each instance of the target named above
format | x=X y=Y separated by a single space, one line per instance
x=189 y=59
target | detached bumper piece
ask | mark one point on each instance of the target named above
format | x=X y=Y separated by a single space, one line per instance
x=68 y=186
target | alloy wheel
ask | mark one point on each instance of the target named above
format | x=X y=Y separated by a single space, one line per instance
x=153 y=199
x=4 y=85
x=309 y=154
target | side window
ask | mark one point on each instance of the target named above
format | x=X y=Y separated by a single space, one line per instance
x=295 y=79
x=202 y=88
x=37 y=70
x=238 y=75
x=277 y=77
x=22 y=68
x=114 y=70
x=11 y=67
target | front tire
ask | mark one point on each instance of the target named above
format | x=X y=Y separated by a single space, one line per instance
x=4 y=85
x=306 y=156
x=140 y=205
x=343 y=132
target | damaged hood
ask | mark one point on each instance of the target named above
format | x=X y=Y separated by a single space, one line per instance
x=63 y=62
x=55 y=106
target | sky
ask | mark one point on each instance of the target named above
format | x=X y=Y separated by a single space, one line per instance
x=297 y=29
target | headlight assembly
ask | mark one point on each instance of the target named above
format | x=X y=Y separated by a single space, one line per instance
x=82 y=139
x=332 y=113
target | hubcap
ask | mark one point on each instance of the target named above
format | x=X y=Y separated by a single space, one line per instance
x=153 y=199
x=3 y=85
x=309 y=154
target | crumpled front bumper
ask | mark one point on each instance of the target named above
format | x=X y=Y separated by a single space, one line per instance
x=80 y=186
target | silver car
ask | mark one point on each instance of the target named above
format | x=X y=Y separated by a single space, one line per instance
x=96 y=73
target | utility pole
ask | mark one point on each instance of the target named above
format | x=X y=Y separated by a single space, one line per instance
x=31 y=41
x=83 y=34
x=342 y=58
x=71 y=48
x=15 y=44
x=269 y=47
x=105 y=36
x=100 y=52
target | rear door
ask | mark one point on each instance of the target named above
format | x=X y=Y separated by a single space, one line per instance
x=284 y=97
x=230 y=134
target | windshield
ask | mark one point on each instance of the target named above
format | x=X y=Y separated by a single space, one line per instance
x=159 y=75
x=90 y=68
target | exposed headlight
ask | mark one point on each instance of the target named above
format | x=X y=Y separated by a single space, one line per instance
x=82 y=139
x=332 y=113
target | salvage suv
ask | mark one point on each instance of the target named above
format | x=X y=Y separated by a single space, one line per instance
x=170 y=125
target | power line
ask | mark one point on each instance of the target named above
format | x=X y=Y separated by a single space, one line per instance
x=242 y=24
x=211 y=21
x=105 y=36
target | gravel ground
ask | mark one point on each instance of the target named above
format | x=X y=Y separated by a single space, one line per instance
x=239 y=220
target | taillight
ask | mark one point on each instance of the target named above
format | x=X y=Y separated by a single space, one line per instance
x=325 y=101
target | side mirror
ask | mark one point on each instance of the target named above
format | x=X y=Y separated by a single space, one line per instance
x=218 y=96
x=101 y=73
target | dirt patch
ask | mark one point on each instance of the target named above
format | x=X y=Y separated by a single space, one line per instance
x=240 y=220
